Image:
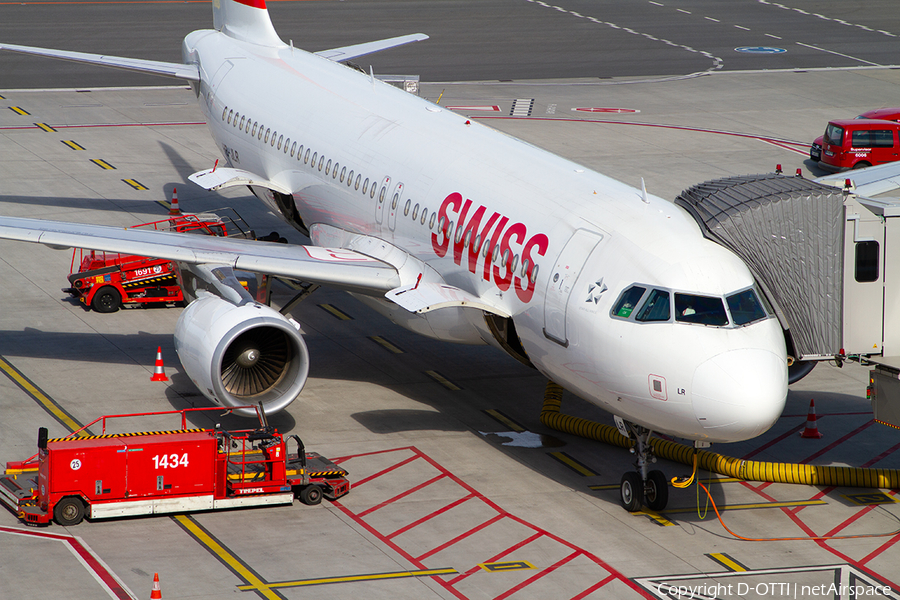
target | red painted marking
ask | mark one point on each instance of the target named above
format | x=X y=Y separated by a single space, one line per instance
x=837 y=442
x=497 y=557
x=461 y=537
x=881 y=549
x=428 y=517
x=609 y=574
x=85 y=554
x=401 y=495
x=771 y=443
x=593 y=588
x=884 y=454
x=104 y=124
x=537 y=576
x=253 y=3
x=656 y=125
x=784 y=146
x=385 y=471
x=595 y=109
x=484 y=108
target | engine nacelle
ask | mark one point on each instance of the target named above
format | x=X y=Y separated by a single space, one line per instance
x=239 y=355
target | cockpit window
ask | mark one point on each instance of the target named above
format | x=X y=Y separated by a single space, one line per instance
x=629 y=300
x=745 y=307
x=704 y=310
x=656 y=307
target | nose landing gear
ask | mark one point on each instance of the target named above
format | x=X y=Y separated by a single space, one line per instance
x=644 y=485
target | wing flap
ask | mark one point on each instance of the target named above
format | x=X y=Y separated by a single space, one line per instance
x=340 y=268
x=425 y=297
x=357 y=50
x=177 y=70
x=219 y=178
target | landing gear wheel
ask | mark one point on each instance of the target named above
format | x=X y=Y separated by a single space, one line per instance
x=656 y=491
x=69 y=511
x=311 y=495
x=106 y=300
x=631 y=491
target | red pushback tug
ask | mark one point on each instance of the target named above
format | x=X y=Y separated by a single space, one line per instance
x=153 y=472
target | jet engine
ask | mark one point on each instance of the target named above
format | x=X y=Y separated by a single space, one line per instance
x=240 y=355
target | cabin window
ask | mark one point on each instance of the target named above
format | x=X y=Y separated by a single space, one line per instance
x=294 y=149
x=365 y=185
x=274 y=135
x=230 y=114
x=628 y=301
x=306 y=158
x=241 y=126
x=526 y=267
x=515 y=262
x=268 y=133
x=415 y=214
x=321 y=162
x=287 y=143
x=703 y=310
x=280 y=141
x=745 y=307
x=312 y=162
x=328 y=167
x=534 y=273
x=459 y=233
x=253 y=133
x=431 y=222
x=335 y=172
x=477 y=245
x=247 y=129
x=356 y=185
x=866 y=261
x=656 y=307
x=344 y=172
x=406 y=208
x=372 y=191
x=225 y=113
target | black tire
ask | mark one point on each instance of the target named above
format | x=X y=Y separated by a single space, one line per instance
x=800 y=369
x=311 y=495
x=69 y=511
x=656 y=492
x=106 y=300
x=631 y=492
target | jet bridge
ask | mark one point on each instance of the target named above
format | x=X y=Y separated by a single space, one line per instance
x=819 y=253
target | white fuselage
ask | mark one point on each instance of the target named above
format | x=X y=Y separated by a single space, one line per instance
x=715 y=383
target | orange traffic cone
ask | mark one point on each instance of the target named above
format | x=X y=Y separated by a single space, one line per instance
x=811 y=431
x=158 y=373
x=156 y=593
x=174 y=209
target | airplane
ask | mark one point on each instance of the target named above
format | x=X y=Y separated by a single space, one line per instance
x=454 y=231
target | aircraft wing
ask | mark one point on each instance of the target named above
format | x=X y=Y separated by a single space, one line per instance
x=351 y=52
x=177 y=70
x=340 y=268
x=870 y=181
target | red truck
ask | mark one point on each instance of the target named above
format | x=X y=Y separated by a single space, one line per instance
x=105 y=281
x=125 y=474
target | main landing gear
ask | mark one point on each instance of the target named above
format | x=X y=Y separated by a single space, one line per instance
x=643 y=486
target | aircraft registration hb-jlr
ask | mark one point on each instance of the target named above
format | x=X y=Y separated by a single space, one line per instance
x=454 y=231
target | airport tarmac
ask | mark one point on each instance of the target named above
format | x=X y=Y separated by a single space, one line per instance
x=454 y=497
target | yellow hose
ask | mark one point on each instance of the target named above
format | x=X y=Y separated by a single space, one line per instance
x=749 y=470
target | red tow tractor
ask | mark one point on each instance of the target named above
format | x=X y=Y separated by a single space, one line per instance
x=153 y=472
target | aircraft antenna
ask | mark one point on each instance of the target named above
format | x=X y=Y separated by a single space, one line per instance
x=292 y=47
x=372 y=75
x=644 y=192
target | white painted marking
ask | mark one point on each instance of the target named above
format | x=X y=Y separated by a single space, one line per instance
x=838 y=54
x=773 y=36
x=687 y=12
x=656 y=3
x=711 y=19
x=744 y=28
x=485 y=108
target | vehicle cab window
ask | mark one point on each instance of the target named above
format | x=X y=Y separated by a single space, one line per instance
x=703 y=310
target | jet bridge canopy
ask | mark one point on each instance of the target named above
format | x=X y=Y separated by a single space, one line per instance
x=790 y=232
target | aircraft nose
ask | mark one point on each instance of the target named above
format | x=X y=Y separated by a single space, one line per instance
x=739 y=394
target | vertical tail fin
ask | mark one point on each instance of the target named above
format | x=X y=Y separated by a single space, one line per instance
x=245 y=20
